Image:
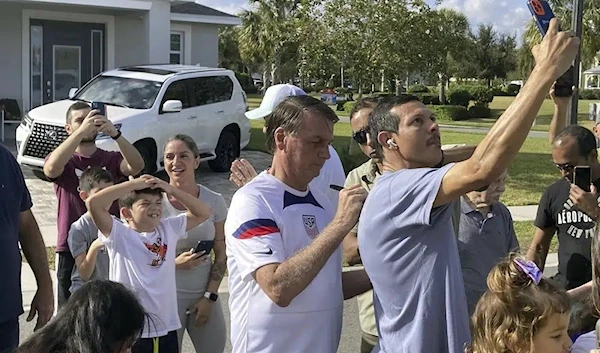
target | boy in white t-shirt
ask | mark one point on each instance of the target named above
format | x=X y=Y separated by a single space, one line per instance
x=142 y=254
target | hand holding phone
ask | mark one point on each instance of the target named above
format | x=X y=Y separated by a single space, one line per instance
x=583 y=177
x=204 y=246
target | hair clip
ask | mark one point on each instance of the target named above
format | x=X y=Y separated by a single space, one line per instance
x=530 y=269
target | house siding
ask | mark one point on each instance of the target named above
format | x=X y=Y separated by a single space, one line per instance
x=205 y=44
x=11 y=48
x=131 y=46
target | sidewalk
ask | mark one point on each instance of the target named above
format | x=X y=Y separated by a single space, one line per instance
x=523 y=213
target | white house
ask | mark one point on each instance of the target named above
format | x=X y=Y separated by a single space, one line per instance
x=50 y=46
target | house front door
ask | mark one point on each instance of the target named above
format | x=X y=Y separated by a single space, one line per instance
x=64 y=55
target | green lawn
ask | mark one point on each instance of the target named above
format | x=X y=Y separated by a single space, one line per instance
x=529 y=175
x=524 y=231
x=497 y=106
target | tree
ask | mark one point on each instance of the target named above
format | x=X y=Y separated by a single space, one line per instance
x=229 y=54
x=590 y=44
x=449 y=44
x=493 y=54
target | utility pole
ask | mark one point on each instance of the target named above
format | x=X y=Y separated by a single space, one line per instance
x=577 y=28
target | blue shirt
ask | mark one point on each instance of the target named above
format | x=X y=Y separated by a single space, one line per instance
x=14 y=199
x=409 y=252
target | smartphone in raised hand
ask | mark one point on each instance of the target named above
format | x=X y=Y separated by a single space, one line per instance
x=100 y=107
x=542 y=14
x=583 y=177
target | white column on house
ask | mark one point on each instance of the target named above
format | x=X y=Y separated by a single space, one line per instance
x=158 y=31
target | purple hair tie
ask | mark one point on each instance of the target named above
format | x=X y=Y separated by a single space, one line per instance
x=530 y=269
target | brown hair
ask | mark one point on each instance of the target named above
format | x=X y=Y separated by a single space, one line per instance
x=289 y=115
x=189 y=143
x=513 y=310
x=369 y=102
x=91 y=177
x=76 y=106
x=128 y=200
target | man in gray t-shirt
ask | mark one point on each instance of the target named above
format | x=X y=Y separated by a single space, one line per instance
x=405 y=235
x=83 y=238
x=486 y=236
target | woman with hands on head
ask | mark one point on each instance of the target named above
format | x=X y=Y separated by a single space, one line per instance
x=198 y=278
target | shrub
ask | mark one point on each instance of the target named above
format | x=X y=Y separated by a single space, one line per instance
x=428 y=98
x=381 y=94
x=418 y=89
x=449 y=112
x=482 y=95
x=246 y=82
x=348 y=107
x=499 y=92
x=480 y=111
x=459 y=96
x=589 y=94
x=513 y=90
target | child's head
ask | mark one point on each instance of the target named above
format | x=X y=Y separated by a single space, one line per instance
x=142 y=208
x=93 y=180
x=101 y=316
x=517 y=315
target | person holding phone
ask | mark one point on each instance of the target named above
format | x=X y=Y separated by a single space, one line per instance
x=568 y=211
x=64 y=167
x=198 y=279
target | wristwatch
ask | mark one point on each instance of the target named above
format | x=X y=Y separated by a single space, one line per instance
x=211 y=296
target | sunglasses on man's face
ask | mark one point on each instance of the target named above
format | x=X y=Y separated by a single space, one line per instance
x=360 y=136
x=566 y=167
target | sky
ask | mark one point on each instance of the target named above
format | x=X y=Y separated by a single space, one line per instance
x=507 y=16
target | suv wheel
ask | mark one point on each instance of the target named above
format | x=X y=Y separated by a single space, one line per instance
x=148 y=157
x=227 y=150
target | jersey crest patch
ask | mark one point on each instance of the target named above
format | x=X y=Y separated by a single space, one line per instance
x=310 y=225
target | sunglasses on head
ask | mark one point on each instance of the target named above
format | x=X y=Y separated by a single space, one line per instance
x=360 y=136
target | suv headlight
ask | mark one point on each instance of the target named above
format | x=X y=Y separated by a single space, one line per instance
x=102 y=136
x=27 y=122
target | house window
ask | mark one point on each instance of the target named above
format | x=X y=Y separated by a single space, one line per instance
x=176 y=48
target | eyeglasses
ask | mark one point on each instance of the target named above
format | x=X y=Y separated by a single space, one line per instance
x=566 y=167
x=360 y=136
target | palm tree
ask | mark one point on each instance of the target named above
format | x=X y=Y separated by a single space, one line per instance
x=266 y=32
x=590 y=30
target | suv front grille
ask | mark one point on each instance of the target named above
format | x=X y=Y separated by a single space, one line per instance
x=44 y=139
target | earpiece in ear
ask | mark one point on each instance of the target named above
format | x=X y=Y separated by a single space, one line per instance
x=391 y=143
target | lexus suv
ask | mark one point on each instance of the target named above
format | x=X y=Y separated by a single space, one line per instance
x=149 y=104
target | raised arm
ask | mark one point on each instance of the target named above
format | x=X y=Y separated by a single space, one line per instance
x=282 y=282
x=498 y=149
x=197 y=211
x=457 y=154
x=58 y=159
x=86 y=262
x=559 y=118
x=132 y=163
x=99 y=203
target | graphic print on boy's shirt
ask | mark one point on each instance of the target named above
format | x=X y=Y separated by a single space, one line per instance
x=159 y=250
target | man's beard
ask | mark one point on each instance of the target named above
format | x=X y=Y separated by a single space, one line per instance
x=89 y=140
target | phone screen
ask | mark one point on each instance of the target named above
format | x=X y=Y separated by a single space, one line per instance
x=583 y=178
x=204 y=245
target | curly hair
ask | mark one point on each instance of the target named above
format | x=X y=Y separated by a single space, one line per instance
x=513 y=310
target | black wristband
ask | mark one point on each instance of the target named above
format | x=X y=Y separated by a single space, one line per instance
x=117 y=136
x=441 y=163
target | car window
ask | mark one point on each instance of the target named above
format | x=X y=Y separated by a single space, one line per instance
x=177 y=91
x=214 y=89
x=122 y=91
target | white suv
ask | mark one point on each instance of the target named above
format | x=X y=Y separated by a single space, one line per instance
x=149 y=104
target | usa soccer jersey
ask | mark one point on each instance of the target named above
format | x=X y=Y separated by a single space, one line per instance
x=269 y=222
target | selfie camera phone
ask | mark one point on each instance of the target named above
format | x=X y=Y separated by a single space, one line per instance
x=583 y=178
x=204 y=245
x=99 y=106
x=542 y=14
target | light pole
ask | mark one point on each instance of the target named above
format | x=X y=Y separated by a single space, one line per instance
x=577 y=28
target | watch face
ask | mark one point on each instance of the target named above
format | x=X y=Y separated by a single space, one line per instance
x=212 y=296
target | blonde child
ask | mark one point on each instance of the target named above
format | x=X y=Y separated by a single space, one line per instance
x=521 y=312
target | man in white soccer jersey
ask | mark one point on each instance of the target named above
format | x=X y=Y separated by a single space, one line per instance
x=286 y=287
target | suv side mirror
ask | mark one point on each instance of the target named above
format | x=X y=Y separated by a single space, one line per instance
x=172 y=106
x=72 y=92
